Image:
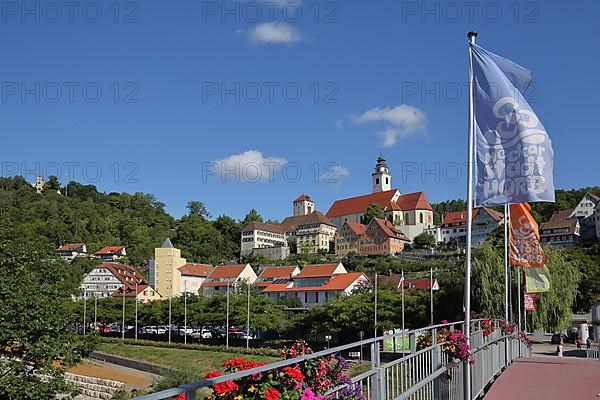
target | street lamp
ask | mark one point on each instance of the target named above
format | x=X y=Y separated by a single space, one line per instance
x=248 y=320
x=227 y=319
x=185 y=312
x=84 y=309
x=328 y=338
x=136 y=311
x=123 y=321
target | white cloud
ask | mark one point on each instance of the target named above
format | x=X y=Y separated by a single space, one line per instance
x=250 y=166
x=403 y=121
x=339 y=123
x=274 y=33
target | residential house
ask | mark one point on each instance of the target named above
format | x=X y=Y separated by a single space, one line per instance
x=586 y=213
x=164 y=271
x=317 y=284
x=409 y=283
x=308 y=228
x=560 y=230
x=111 y=253
x=382 y=237
x=69 y=251
x=192 y=277
x=145 y=293
x=454 y=226
x=258 y=235
x=104 y=279
x=227 y=277
x=270 y=274
x=410 y=211
x=347 y=239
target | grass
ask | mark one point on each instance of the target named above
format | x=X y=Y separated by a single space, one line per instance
x=200 y=361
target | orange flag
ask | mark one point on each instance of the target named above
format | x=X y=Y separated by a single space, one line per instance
x=525 y=247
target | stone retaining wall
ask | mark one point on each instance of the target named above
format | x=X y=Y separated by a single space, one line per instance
x=95 y=388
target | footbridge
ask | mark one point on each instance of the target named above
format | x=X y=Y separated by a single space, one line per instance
x=427 y=369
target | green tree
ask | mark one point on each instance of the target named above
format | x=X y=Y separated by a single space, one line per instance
x=34 y=332
x=198 y=209
x=424 y=240
x=373 y=211
x=252 y=215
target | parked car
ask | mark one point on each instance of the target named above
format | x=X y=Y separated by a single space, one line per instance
x=185 y=330
x=556 y=338
x=201 y=334
x=149 y=330
x=217 y=332
x=161 y=329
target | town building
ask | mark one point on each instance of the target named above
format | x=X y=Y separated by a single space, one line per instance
x=227 y=277
x=454 y=226
x=561 y=230
x=379 y=237
x=258 y=235
x=111 y=253
x=308 y=228
x=412 y=212
x=104 y=279
x=164 y=271
x=317 y=284
x=145 y=293
x=585 y=212
x=69 y=251
x=193 y=276
x=270 y=274
x=347 y=239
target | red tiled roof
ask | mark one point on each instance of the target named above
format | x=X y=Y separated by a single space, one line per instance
x=255 y=225
x=357 y=228
x=303 y=197
x=419 y=283
x=390 y=229
x=338 y=282
x=71 y=247
x=460 y=217
x=130 y=290
x=277 y=272
x=317 y=271
x=356 y=205
x=559 y=220
x=191 y=269
x=122 y=272
x=290 y=224
x=226 y=271
x=414 y=201
x=496 y=215
x=109 y=250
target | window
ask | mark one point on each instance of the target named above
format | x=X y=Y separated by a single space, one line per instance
x=421 y=218
x=377 y=181
x=387 y=180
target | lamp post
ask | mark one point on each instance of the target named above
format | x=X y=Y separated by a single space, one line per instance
x=123 y=320
x=402 y=290
x=185 y=312
x=431 y=294
x=248 y=319
x=170 y=304
x=227 y=319
x=95 y=310
x=136 y=311
x=375 y=326
x=84 y=310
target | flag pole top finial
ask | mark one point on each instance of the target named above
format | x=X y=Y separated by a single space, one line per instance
x=472 y=35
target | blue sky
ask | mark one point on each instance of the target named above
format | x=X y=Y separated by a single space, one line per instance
x=162 y=98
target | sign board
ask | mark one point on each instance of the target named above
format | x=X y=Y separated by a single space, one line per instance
x=529 y=302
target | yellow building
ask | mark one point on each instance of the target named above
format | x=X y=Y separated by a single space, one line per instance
x=165 y=276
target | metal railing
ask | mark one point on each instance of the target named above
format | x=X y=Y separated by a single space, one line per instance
x=422 y=374
x=593 y=353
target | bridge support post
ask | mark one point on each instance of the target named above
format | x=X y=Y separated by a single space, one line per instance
x=378 y=381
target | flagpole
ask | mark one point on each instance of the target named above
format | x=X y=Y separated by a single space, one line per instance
x=375 y=311
x=506 y=257
x=471 y=151
x=519 y=296
x=402 y=280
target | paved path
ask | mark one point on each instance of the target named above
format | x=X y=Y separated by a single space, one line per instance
x=548 y=377
x=132 y=378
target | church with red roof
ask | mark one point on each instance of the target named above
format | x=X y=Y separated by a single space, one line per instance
x=411 y=212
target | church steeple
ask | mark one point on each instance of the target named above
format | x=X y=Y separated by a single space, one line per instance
x=381 y=178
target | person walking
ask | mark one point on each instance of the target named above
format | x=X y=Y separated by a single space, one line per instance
x=588 y=343
x=578 y=342
x=559 y=349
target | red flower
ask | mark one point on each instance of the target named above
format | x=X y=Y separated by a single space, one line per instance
x=223 y=387
x=179 y=397
x=272 y=394
x=486 y=333
x=293 y=373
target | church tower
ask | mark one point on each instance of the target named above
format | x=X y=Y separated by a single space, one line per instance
x=381 y=177
x=303 y=205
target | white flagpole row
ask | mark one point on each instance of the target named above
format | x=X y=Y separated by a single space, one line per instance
x=506 y=260
x=470 y=158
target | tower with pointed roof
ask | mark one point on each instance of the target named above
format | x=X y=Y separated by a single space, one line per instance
x=165 y=276
x=303 y=205
x=381 y=177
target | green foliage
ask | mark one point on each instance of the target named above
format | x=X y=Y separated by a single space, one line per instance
x=553 y=309
x=373 y=211
x=252 y=216
x=34 y=324
x=424 y=240
x=198 y=209
x=443 y=208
